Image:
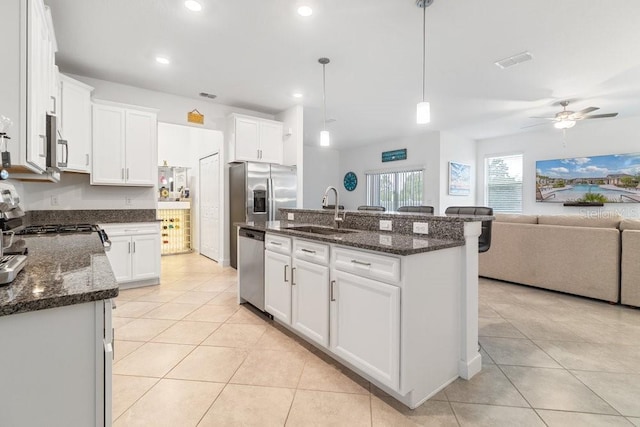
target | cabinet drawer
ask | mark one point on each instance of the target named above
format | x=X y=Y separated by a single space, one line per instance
x=311 y=251
x=365 y=264
x=130 y=229
x=276 y=243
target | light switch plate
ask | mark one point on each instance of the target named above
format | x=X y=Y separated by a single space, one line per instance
x=385 y=225
x=290 y=216
x=421 y=227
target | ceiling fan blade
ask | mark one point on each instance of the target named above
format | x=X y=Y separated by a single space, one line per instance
x=599 y=116
x=546 y=118
x=585 y=111
x=530 y=126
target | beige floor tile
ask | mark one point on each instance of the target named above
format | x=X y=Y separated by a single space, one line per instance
x=276 y=339
x=546 y=330
x=123 y=348
x=213 y=286
x=131 y=294
x=517 y=311
x=490 y=386
x=244 y=405
x=119 y=322
x=484 y=310
x=128 y=389
x=495 y=416
x=172 y=403
x=134 y=308
x=194 y=297
x=486 y=359
x=441 y=395
x=212 y=313
x=183 y=285
x=171 y=311
x=152 y=360
x=209 y=364
x=386 y=411
x=270 y=368
x=493 y=327
x=236 y=335
x=383 y=414
x=564 y=419
x=320 y=375
x=622 y=333
x=510 y=351
x=248 y=315
x=160 y=295
x=142 y=329
x=185 y=332
x=622 y=391
x=320 y=408
x=634 y=421
x=225 y=298
x=593 y=357
x=555 y=389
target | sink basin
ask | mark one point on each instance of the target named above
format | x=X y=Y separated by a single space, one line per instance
x=319 y=230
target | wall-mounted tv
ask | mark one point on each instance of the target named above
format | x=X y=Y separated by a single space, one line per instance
x=589 y=180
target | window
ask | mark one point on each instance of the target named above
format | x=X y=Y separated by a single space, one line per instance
x=503 y=183
x=395 y=189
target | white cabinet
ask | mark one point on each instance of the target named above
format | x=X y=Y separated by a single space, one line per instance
x=310 y=300
x=277 y=285
x=135 y=252
x=365 y=325
x=74 y=125
x=254 y=139
x=124 y=145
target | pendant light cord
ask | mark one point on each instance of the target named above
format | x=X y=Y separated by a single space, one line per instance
x=424 y=48
x=324 y=98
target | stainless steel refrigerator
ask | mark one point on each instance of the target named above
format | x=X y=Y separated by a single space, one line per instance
x=256 y=193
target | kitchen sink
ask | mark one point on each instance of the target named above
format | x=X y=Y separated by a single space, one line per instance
x=319 y=230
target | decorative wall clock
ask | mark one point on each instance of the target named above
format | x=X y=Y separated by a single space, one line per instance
x=350 y=181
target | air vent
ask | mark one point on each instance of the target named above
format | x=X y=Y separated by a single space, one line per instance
x=514 y=60
x=208 y=95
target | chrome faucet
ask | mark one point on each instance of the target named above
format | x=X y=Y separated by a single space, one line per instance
x=325 y=202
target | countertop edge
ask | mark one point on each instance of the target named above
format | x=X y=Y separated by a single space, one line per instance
x=60 y=301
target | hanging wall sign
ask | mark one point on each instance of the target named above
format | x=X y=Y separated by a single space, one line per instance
x=194 y=116
x=390 y=156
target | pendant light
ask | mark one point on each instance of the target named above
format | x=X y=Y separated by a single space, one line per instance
x=423 y=111
x=325 y=138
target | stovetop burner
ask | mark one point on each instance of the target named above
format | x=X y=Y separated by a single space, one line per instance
x=58 y=229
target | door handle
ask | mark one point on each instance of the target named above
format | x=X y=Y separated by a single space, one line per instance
x=129 y=247
x=87 y=159
x=285 y=273
x=366 y=264
x=55 y=104
x=122 y=174
x=44 y=145
x=293 y=279
x=66 y=150
x=134 y=247
x=331 y=295
x=308 y=251
x=127 y=174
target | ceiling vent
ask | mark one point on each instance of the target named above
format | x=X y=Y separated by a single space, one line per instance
x=514 y=60
x=208 y=95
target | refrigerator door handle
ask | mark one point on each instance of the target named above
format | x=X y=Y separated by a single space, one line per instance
x=270 y=205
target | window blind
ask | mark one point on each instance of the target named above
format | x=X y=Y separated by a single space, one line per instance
x=395 y=189
x=503 y=183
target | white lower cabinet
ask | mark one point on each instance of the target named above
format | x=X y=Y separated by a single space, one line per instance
x=277 y=285
x=310 y=300
x=365 y=325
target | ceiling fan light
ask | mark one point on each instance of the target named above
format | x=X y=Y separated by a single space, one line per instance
x=423 y=113
x=325 y=138
x=564 y=124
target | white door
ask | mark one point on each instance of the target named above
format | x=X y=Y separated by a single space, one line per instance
x=365 y=325
x=145 y=257
x=310 y=300
x=271 y=144
x=120 y=257
x=246 y=142
x=209 y=194
x=277 y=285
x=141 y=136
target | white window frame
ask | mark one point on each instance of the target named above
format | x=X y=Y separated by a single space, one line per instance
x=371 y=200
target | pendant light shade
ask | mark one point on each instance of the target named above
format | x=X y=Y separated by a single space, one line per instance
x=423 y=110
x=325 y=138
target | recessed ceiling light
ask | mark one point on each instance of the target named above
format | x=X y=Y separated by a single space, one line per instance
x=305 y=11
x=162 y=60
x=297 y=95
x=193 y=5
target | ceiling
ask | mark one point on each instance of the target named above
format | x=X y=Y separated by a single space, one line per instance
x=255 y=54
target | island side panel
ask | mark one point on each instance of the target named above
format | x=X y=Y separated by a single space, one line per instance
x=470 y=360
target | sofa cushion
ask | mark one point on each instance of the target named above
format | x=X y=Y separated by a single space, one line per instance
x=602 y=221
x=630 y=224
x=516 y=219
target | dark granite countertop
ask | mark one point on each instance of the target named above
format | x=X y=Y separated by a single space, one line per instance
x=61 y=270
x=392 y=243
x=391 y=215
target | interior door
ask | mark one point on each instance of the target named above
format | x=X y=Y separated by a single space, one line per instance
x=209 y=180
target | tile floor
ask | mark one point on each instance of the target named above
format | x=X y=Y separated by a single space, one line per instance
x=187 y=355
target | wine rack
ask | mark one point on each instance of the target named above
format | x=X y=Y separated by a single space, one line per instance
x=175 y=231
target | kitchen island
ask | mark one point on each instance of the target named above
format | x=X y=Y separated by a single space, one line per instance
x=397 y=307
x=56 y=335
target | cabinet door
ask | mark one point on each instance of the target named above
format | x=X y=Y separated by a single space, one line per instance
x=145 y=254
x=310 y=300
x=365 y=325
x=271 y=142
x=120 y=257
x=141 y=148
x=277 y=283
x=107 y=165
x=247 y=137
x=75 y=125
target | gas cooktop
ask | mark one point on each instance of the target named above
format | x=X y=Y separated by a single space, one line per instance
x=58 y=229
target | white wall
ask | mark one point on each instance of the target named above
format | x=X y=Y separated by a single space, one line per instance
x=321 y=169
x=422 y=151
x=587 y=138
x=462 y=150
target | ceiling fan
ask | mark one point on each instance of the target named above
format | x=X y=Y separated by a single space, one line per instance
x=566 y=119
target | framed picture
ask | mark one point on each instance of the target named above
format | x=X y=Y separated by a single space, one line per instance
x=459 y=179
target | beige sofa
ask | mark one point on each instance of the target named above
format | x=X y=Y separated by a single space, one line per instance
x=567 y=253
x=630 y=267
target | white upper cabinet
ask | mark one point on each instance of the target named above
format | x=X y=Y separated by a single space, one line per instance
x=74 y=126
x=254 y=139
x=124 y=145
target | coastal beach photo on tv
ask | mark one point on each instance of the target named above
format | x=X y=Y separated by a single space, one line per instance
x=614 y=178
x=459 y=179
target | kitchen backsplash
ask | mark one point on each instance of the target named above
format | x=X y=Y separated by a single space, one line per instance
x=89 y=216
